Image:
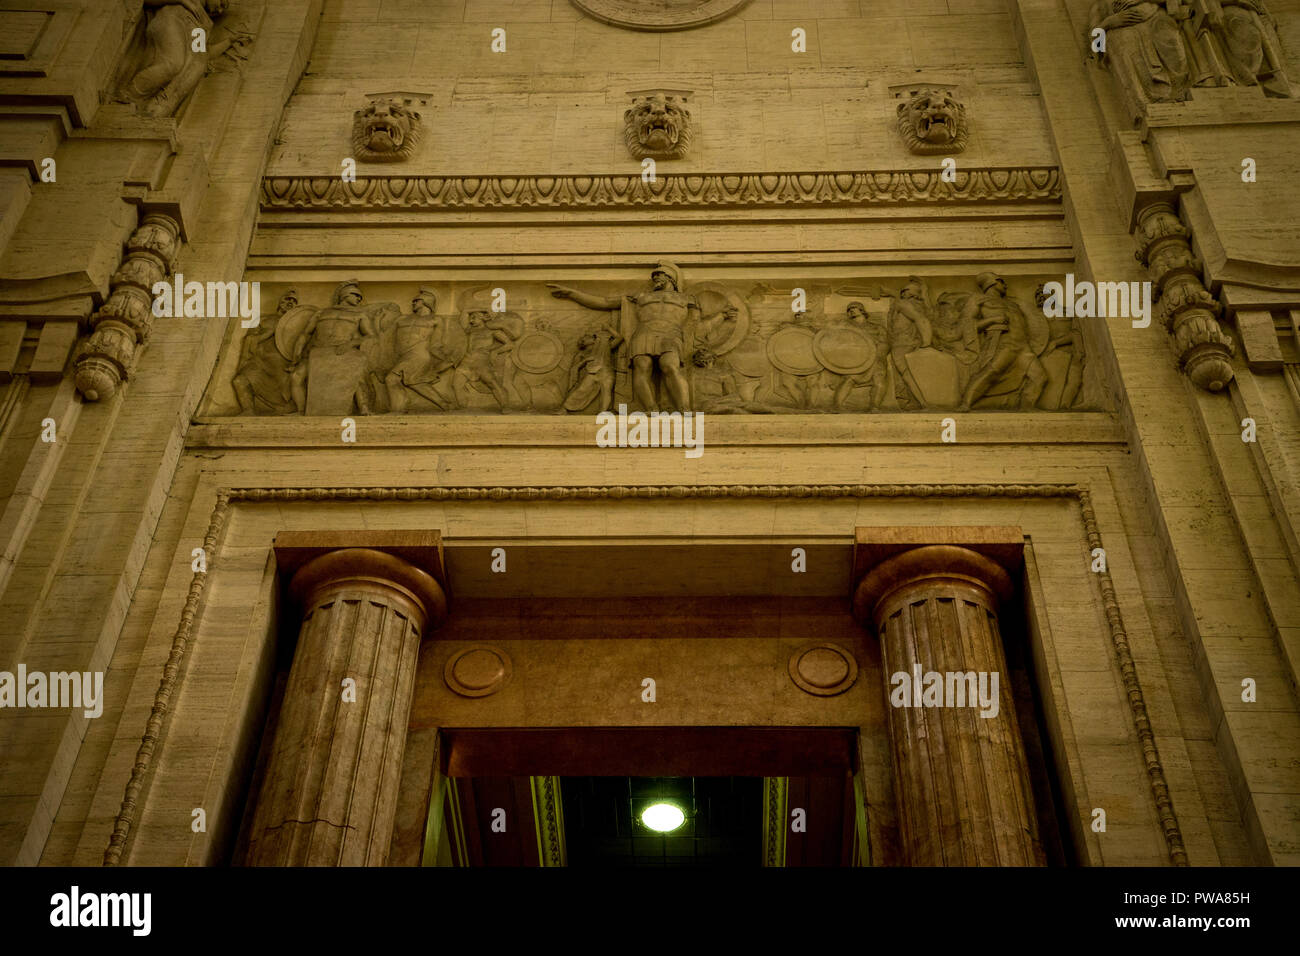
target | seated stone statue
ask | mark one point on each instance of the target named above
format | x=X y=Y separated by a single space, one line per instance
x=171 y=67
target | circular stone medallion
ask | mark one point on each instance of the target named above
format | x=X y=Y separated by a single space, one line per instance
x=823 y=669
x=844 y=350
x=477 y=671
x=538 y=352
x=791 y=350
x=659 y=14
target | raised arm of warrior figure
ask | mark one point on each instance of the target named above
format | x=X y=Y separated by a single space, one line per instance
x=662 y=316
x=586 y=299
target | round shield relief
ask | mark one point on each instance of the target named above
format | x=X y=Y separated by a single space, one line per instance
x=750 y=358
x=791 y=350
x=844 y=350
x=290 y=330
x=713 y=298
x=538 y=352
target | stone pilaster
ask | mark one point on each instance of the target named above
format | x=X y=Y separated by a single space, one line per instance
x=960 y=773
x=329 y=795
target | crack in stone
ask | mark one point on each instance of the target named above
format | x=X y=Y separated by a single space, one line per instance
x=341 y=826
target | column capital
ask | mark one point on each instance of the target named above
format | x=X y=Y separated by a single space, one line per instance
x=406 y=565
x=886 y=560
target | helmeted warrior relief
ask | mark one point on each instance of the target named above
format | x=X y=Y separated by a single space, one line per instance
x=1010 y=342
x=658 y=125
x=1063 y=357
x=489 y=335
x=865 y=339
x=329 y=348
x=159 y=77
x=932 y=121
x=263 y=380
x=421 y=358
x=659 y=317
x=719 y=347
x=910 y=334
x=387 y=129
x=592 y=378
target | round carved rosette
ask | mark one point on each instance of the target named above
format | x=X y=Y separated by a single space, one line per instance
x=663 y=15
x=477 y=671
x=823 y=669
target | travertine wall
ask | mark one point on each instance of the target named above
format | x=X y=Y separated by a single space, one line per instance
x=1199 y=527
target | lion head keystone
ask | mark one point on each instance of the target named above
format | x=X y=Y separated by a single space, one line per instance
x=387 y=129
x=658 y=124
x=931 y=119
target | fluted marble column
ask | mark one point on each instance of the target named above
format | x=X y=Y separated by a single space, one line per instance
x=330 y=790
x=962 y=780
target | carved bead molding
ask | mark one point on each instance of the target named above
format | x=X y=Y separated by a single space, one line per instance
x=1188 y=310
x=776 y=795
x=889 y=187
x=123 y=323
x=548 y=813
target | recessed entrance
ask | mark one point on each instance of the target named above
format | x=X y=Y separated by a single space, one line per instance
x=578 y=797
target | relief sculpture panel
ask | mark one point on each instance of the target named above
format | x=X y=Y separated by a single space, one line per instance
x=1163 y=51
x=660 y=343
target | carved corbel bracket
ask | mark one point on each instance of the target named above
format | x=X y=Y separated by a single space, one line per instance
x=122 y=325
x=1188 y=310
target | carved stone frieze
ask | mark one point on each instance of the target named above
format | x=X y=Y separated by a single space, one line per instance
x=123 y=323
x=1186 y=307
x=888 y=187
x=658 y=124
x=1164 y=50
x=181 y=41
x=932 y=120
x=664 y=344
x=388 y=128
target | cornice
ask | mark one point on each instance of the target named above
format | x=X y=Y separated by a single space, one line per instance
x=619 y=191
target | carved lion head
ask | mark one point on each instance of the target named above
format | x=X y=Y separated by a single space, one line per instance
x=387 y=130
x=657 y=125
x=932 y=121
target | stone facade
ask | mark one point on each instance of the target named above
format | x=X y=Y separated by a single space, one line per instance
x=989 y=331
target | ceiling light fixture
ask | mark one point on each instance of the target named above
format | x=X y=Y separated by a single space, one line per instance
x=663 y=817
